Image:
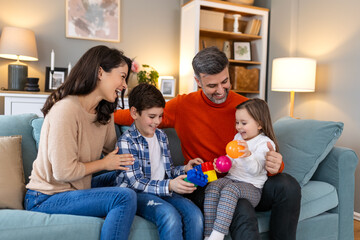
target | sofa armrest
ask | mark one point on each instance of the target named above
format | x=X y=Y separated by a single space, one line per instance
x=338 y=169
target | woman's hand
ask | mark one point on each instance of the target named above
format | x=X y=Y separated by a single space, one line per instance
x=179 y=185
x=115 y=161
x=192 y=163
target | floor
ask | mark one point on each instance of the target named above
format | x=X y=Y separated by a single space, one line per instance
x=356 y=230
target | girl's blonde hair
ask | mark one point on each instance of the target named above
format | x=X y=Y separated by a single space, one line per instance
x=259 y=111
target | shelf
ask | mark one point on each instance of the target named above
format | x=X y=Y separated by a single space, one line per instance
x=211 y=5
x=244 y=91
x=196 y=33
x=229 y=35
x=244 y=62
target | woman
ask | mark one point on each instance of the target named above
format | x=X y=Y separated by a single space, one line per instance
x=78 y=127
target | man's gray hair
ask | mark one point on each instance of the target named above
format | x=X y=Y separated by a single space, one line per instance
x=209 y=61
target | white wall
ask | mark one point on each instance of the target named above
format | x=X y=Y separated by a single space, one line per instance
x=329 y=31
x=150 y=33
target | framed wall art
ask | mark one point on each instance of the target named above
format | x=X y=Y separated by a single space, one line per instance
x=167 y=86
x=242 y=51
x=97 y=20
x=54 y=81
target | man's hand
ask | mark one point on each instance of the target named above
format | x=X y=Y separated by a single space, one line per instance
x=273 y=160
x=192 y=163
x=180 y=186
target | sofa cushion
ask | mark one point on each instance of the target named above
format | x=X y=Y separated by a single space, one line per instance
x=12 y=182
x=37 y=124
x=20 y=125
x=316 y=198
x=304 y=144
x=21 y=224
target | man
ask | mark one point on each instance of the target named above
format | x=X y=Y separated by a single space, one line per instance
x=205 y=123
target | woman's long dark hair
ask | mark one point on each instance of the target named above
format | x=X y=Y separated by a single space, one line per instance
x=259 y=111
x=83 y=79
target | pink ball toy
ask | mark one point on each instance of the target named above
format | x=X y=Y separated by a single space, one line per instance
x=223 y=164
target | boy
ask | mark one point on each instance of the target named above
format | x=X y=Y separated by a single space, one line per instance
x=153 y=176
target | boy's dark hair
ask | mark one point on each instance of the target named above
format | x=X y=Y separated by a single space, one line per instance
x=145 y=96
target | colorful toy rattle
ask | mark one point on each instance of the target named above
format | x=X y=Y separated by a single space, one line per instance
x=233 y=149
x=223 y=163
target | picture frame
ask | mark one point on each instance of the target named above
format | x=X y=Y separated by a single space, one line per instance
x=167 y=86
x=242 y=51
x=52 y=83
x=103 y=25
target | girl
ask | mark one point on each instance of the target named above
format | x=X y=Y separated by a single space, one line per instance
x=79 y=126
x=247 y=175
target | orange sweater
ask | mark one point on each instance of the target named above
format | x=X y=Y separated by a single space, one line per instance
x=204 y=128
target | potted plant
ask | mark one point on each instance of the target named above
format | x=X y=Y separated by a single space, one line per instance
x=148 y=75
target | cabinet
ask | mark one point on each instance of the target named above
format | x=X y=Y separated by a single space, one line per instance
x=18 y=102
x=193 y=38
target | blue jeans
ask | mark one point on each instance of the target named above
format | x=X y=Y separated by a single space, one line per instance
x=176 y=217
x=117 y=204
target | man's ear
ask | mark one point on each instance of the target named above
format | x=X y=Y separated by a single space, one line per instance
x=133 y=112
x=197 y=81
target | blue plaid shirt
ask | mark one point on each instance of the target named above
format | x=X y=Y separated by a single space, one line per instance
x=138 y=176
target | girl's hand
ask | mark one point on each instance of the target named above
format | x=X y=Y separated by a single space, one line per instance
x=115 y=161
x=192 y=163
x=246 y=152
x=214 y=164
x=180 y=186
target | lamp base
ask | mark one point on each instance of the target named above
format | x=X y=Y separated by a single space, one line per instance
x=17 y=74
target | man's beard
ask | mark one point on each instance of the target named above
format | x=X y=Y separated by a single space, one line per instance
x=217 y=101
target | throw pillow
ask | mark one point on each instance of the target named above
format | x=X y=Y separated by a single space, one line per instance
x=37 y=124
x=304 y=144
x=12 y=182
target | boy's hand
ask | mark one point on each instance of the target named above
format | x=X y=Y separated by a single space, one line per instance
x=192 y=163
x=114 y=161
x=180 y=186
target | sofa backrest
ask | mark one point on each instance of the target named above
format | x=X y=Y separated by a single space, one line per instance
x=175 y=146
x=21 y=125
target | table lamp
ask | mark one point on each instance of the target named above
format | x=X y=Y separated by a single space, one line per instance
x=293 y=74
x=18 y=44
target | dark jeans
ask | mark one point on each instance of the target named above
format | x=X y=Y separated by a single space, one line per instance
x=281 y=194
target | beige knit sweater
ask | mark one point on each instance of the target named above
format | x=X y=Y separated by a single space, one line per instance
x=69 y=137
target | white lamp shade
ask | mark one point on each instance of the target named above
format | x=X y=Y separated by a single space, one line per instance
x=18 y=43
x=293 y=74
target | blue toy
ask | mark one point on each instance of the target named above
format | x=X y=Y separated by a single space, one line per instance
x=197 y=177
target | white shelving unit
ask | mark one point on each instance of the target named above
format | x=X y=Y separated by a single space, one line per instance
x=191 y=35
x=23 y=102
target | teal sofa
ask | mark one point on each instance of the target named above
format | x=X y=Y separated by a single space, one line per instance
x=327 y=187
